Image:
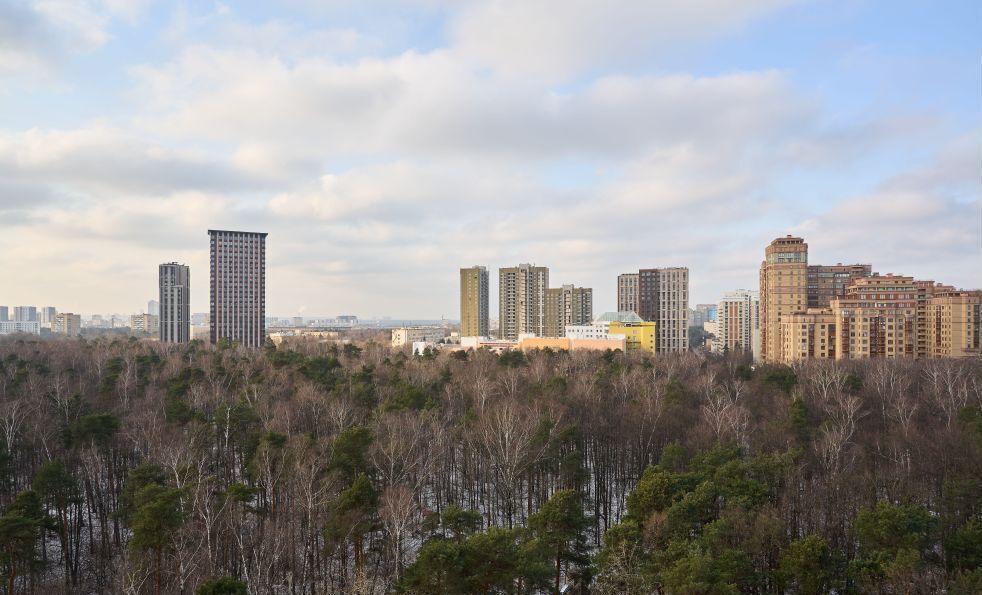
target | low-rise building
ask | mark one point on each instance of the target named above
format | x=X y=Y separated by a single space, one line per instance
x=12 y=327
x=408 y=335
x=145 y=323
x=642 y=336
x=600 y=328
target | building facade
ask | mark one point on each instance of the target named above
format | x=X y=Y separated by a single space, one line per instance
x=67 y=323
x=738 y=322
x=627 y=292
x=423 y=334
x=12 y=327
x=4 y=314
x=25 y=314
x=175 y=303
x=783 y=291
x=521 y=301
x=153 y=307
x=238 y=287
x=475 y=302
x=145 y=323
x=825 y=283
x=953 y=324
x=702 y=314
x=46 y=316
x=663 y=297
x=565 y=306
x=638 y=336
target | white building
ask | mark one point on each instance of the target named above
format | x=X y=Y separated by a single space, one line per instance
x=12 y=327
x=738 y=322
x=600 y=328
x=421 y=334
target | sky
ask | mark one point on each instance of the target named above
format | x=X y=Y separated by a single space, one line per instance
x=384 y=144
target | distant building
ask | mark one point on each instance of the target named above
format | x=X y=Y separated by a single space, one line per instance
x=67 y=323
x=565 y=306
x=46 y=316
x=297 y=321
x=145 y=323
x=521 y=300
x=663 y=297
x=25 y=314
x=570 y=344
x=737 y=322
x=627 y=292
x=347 y=319
x=175 y=303
x=12 y=327
x=702 y=313
x=424 y=334
x=153 y=307
x=600 y=328
x=474 y=302
x=641 y=336
x=200 y=319
x=238 y=287
x=4 y=314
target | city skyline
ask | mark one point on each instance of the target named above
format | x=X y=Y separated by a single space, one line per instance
x=386 y=147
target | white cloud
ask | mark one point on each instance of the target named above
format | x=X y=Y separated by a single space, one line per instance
x=560 y=39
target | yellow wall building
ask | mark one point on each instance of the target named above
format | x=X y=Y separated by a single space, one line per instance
x=637 y=335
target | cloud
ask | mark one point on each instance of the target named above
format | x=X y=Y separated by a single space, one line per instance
x=36 y=36
x=560 y=39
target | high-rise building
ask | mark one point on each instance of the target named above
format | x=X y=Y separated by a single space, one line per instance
x=67 y=323
x=25 y=314
x=783 y=291
x=474 y=302
x=954 y=324
x=789 y=285
x=46 y=316
x=627 y=292
x=565 y=306
x=738 y=322
x=663 y=297
x=175 y=302
x=521 y=301
x=153 y=307
x=827 y=282
x=238 y=287
x=702 y=314
x=4 y=314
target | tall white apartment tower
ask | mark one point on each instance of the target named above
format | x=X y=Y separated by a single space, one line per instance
x=238 y=287
x=175 y=303
x=738 y=322
x=521 y=301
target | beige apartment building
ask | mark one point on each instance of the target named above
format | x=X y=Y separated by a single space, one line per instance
x=783 y=291
x=567 y=306
x=627 y=292
x=521 y=301
x=474 y=302
x=789 y=285
x=889 y=317
x=953 y=324
x=67 y=323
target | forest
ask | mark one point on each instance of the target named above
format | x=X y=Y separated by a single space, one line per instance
x=132 y=466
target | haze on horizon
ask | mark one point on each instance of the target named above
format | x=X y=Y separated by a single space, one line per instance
x=384 y=144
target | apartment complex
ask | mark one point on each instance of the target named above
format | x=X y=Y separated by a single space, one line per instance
x=565 y=306
x=738 y=323
x=848 y=312
x=474 y=302
x=627 y=292
x=46 y=316
x=25 y=314
x=521 y=301
x=663 y=298
x=702 y=314
x=67 y=323
x=175 y=303
x=145 y=323
x=238 y=287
